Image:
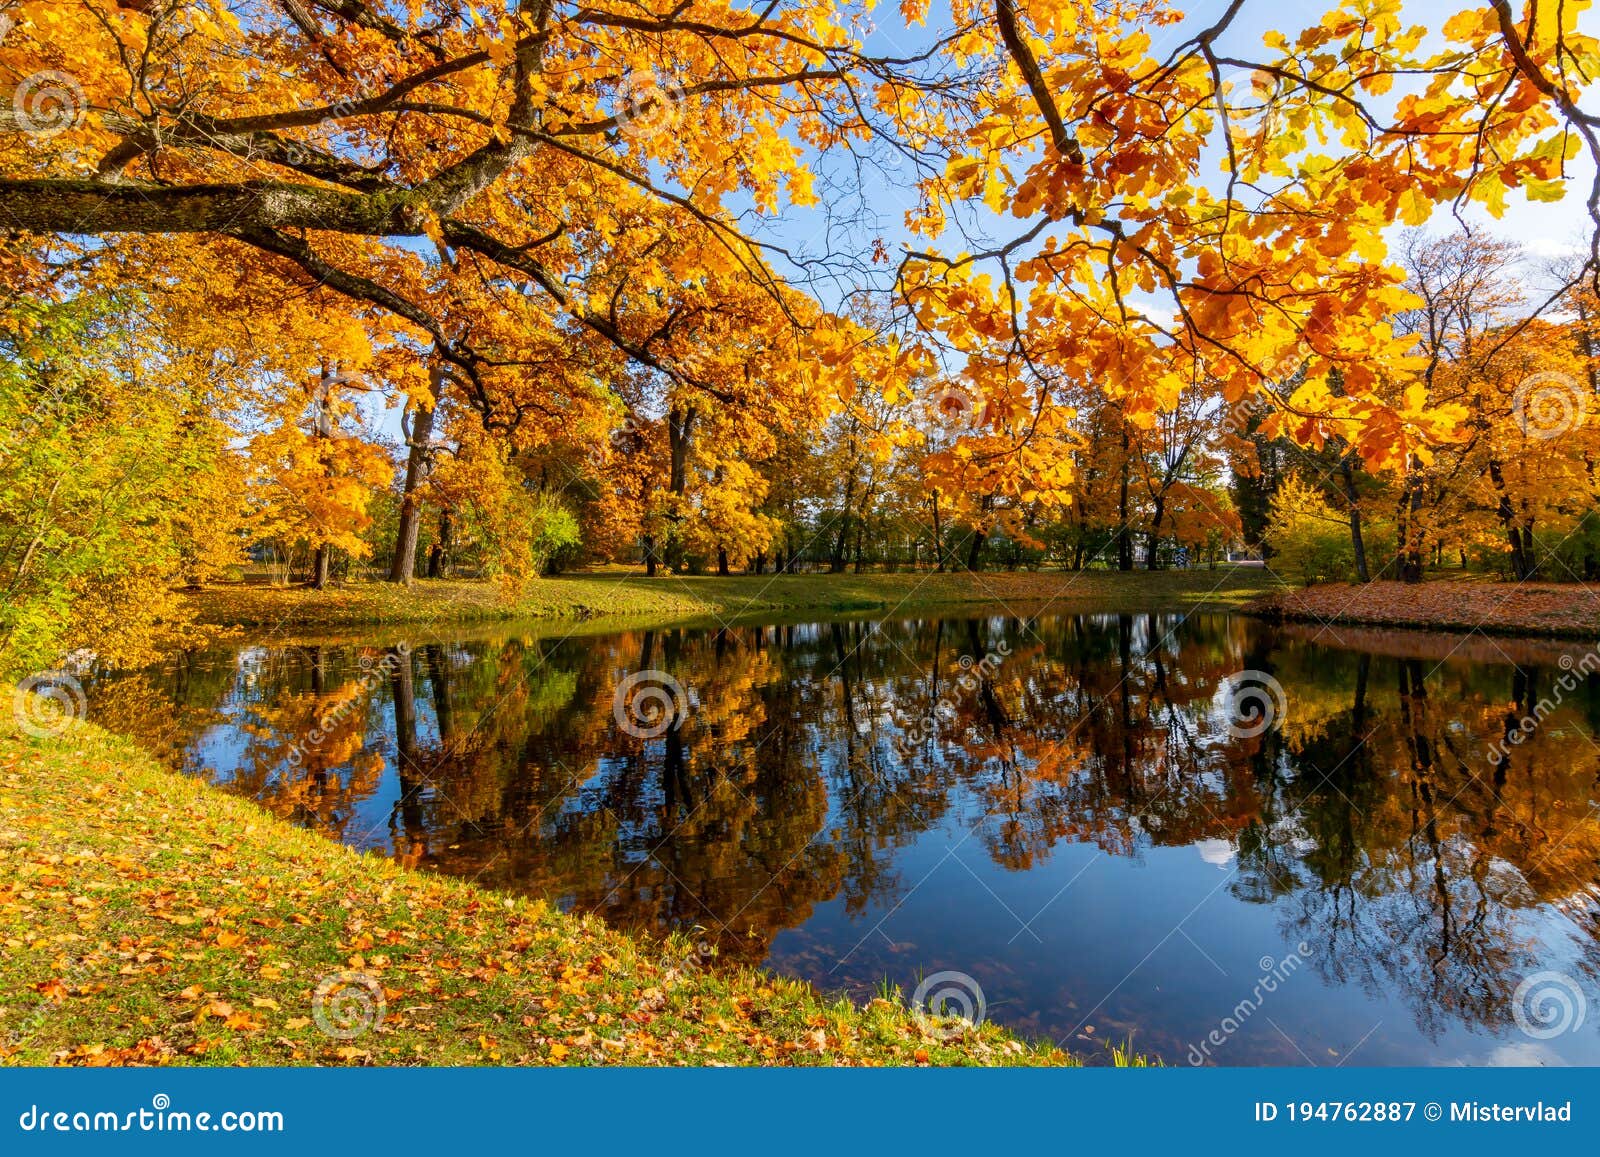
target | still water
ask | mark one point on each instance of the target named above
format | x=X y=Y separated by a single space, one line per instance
x=1223 y=841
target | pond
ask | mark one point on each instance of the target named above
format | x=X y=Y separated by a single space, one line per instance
x=1226 y=842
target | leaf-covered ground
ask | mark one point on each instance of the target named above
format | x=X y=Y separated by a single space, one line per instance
x=147 y=918
x=1565 y=610
x=630 y=594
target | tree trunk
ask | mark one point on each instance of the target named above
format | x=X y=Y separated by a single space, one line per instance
x=650 y=556
x=836 y=564
x=402 y=568
x=1124 y=542
x=722 y=561
x=1152 y=559
x=1521 y=544
x=322 y=566
x=1357 y=544
x=680 y=436
x=974 y=561
x=439 y=552
x=938 y=536
x=1410 y=536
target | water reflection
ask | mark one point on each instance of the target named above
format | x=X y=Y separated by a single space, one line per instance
x=1065 y=808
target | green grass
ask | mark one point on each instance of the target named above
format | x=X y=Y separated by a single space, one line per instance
x=630 y=595
x=149 y=918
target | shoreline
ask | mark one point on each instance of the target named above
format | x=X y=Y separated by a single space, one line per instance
x=150 y=918
x=1567 y=611
x=628 y=599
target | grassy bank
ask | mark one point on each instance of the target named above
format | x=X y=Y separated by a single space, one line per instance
x=147 y=918
x=630 y=595
x=1552 y=610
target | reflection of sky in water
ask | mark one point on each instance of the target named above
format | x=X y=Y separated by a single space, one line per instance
x=1084 y=835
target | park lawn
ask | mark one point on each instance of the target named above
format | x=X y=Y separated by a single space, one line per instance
x=148 y=918
x=628 y=594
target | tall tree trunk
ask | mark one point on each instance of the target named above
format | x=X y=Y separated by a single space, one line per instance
x=322 y=566
x=439 y=552
x=1124 y=531
x=975 y=551
x=650 y=555
x=680 y=436
x=1152 y=559
x=1410 y=533
x=402 y=567
x=1347 y=475
x=1521 y=545
x=722 y=561
x=836 y=563
x=938 y=535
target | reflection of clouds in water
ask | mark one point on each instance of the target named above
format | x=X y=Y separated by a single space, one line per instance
x=1218 y=852
x=1522 y=1054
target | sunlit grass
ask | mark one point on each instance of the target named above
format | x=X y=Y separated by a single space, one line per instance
x=616 y=592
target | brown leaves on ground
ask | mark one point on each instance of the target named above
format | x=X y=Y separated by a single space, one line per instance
x=1562 y=609
x=148 y=919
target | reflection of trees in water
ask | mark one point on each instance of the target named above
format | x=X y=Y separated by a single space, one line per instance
x=1399 y=844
